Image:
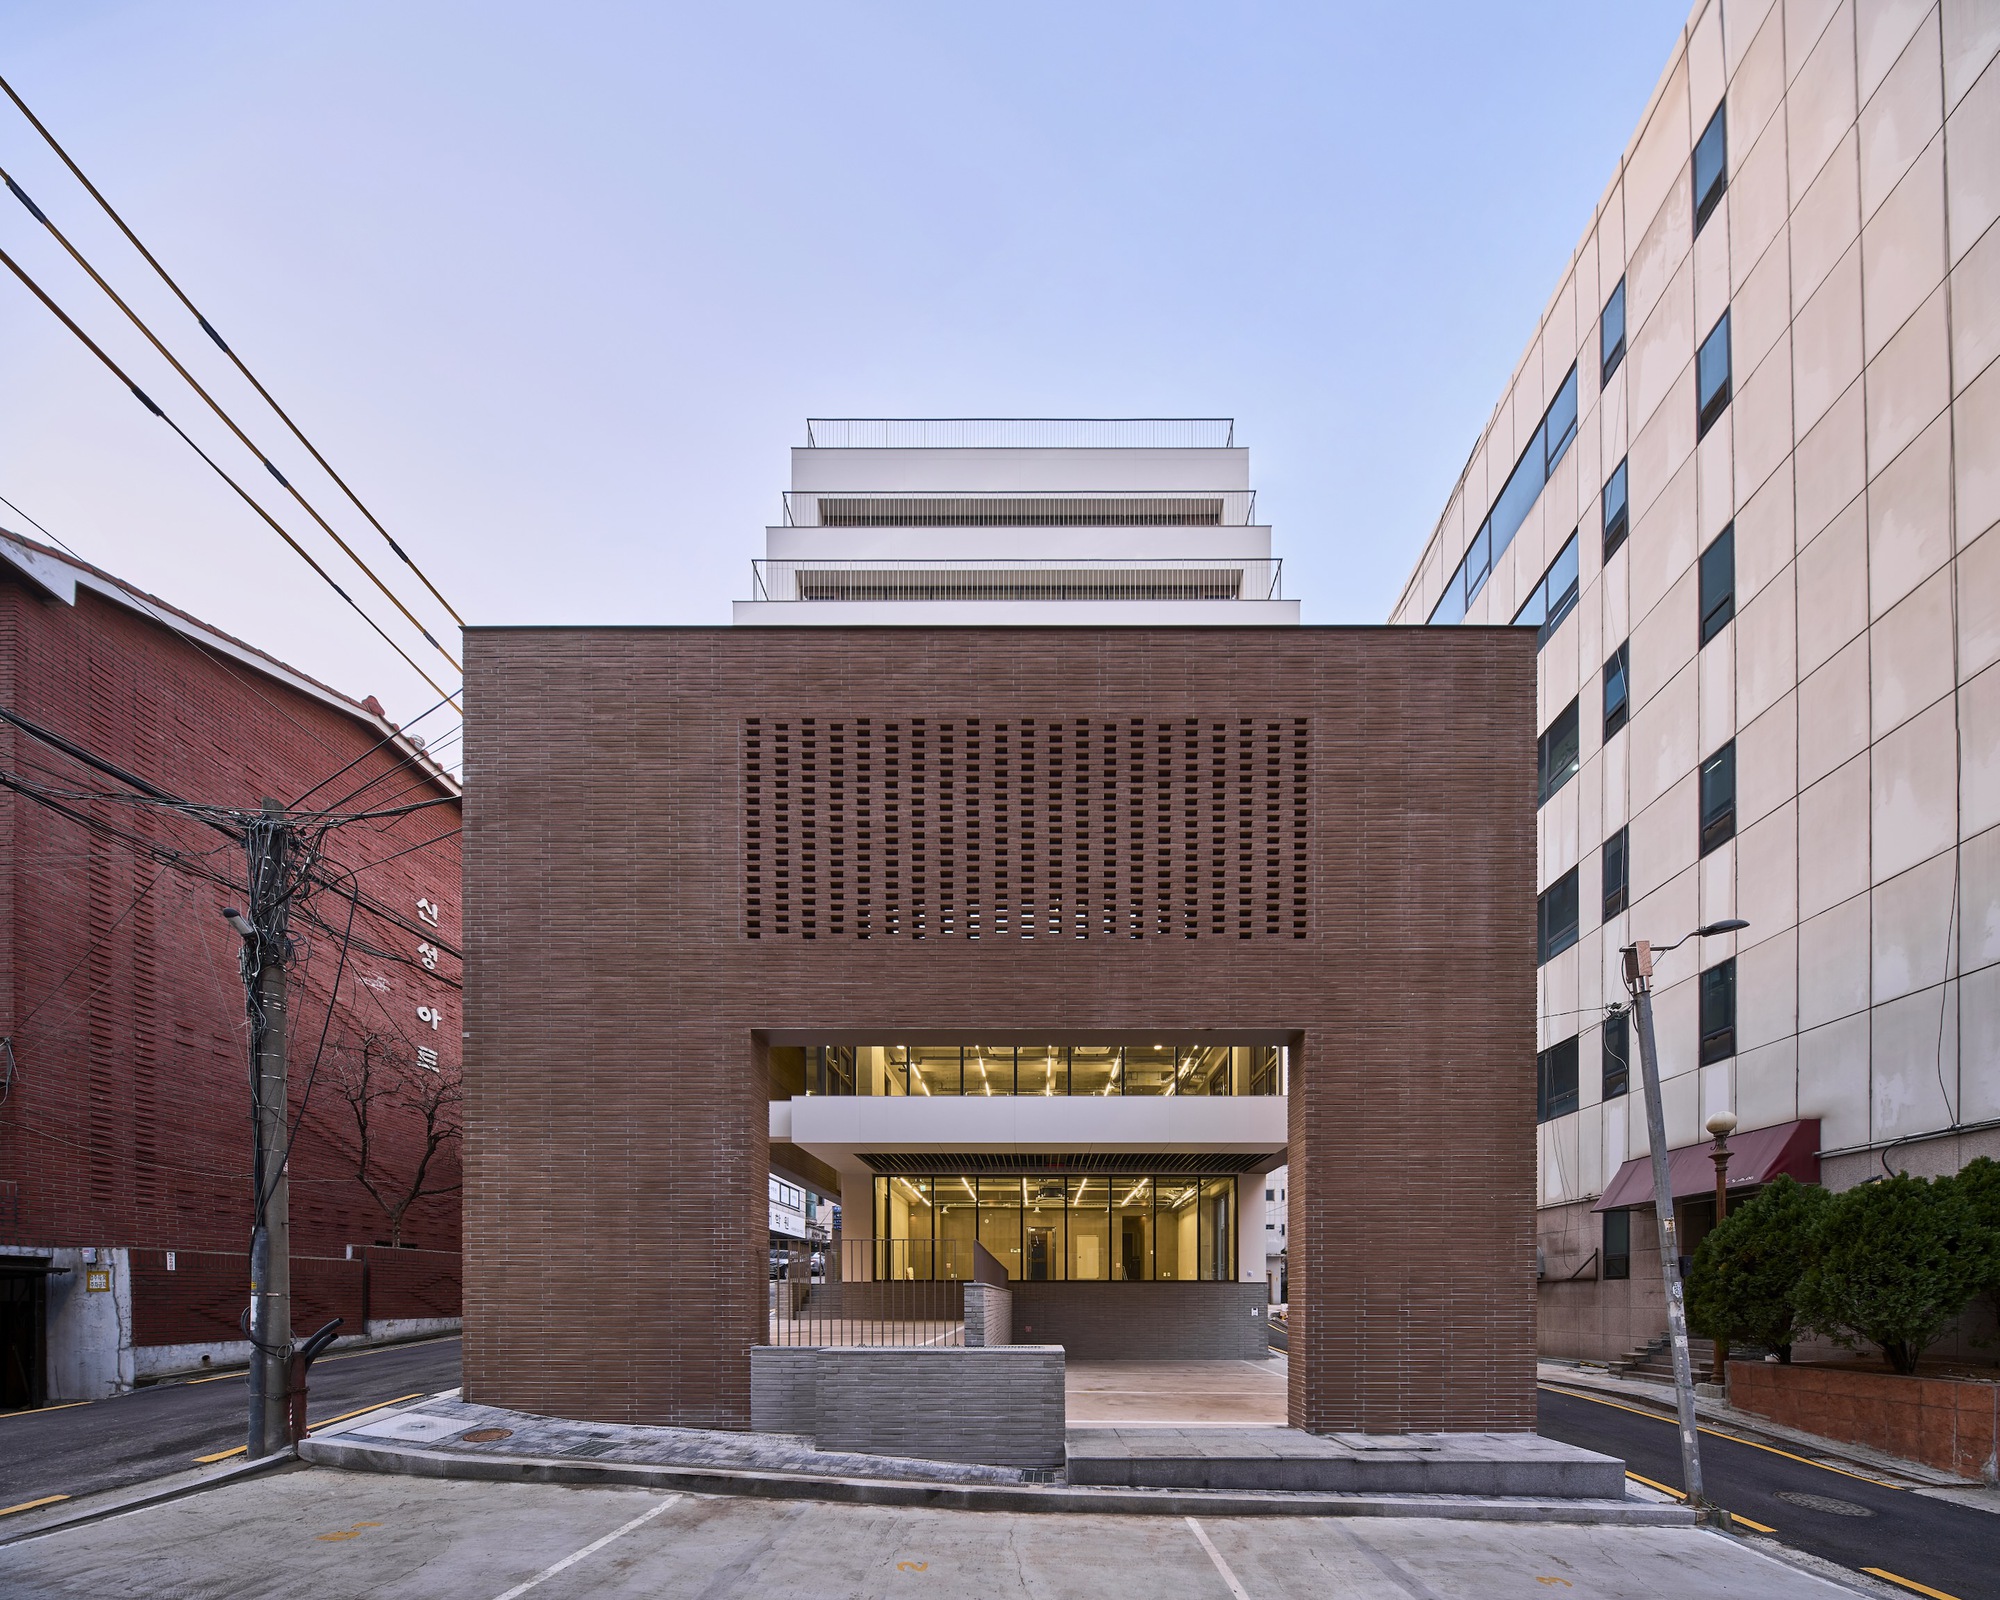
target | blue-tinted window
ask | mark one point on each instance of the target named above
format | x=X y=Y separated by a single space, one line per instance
x=1718 y=798
x=1711 y=168
x=1617 y=1054
x=1617 y=873
x=1555 y=1081
x=1556 y=752
x=1617 y=688
x=1451 y=604
x=1718 y=1012
x=1556 y=913
x=1618 y=1242
x=1553 y=598
x=1617 y=510
x=1718 y=583
x=1559 y=427
x=1711 y=372
x=1611 y=333
x=1552 y=438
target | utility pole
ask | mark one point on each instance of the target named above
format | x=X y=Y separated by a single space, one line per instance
x=270 y=844
x=1639 y=983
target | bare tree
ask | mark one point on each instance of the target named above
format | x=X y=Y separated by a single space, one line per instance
x=383 y=1084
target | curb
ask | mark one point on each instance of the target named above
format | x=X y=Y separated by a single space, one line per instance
x=140 y=1498
x=336 y=1452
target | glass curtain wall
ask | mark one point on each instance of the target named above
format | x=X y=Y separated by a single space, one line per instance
x=1119 y=1228
x=1052 y=1069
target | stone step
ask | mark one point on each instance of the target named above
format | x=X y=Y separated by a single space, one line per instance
x=1521 y=1465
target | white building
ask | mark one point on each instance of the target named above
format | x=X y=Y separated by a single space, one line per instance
x=1086 y=1160
x=1746 y=480
x=1080 y=523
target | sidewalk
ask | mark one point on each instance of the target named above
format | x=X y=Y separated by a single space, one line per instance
x=444 y=1437
x=1659 y=1397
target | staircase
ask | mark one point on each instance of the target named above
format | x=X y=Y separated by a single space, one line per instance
x=1654 y=1363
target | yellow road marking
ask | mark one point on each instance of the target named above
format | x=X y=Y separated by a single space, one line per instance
x=327 y=1422
x=29 y=1505
x=348 y=1533
x=1909 y=1583
x=35 y=1411
x=1754 y=1527
x=324 y=1422
x=1664 y=1488
x=1717 y=1433
x=189 y=1383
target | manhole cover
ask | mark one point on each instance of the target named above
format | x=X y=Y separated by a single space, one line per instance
x=487 y=1435
x=1826 y=1503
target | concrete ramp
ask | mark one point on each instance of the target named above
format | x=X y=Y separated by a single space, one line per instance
x=1484 y=1464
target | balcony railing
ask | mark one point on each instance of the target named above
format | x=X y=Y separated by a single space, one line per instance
x=1067 y=508
x=1020 y=433
x=1017 y=580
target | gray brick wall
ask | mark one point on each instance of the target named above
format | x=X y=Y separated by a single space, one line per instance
x=989 y=1315
x=1001 y=1407
x=784 y=1389
x=1145 y=1321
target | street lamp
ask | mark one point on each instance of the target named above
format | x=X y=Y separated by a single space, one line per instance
x=1720 y=1127
x=1639 y=983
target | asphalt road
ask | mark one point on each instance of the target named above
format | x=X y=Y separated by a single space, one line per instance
x=106 y=1444
x=1856 y=1521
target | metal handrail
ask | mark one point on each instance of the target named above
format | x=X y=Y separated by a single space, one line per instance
x=1169 y=578
x=1021 y=508
x=1020 y=433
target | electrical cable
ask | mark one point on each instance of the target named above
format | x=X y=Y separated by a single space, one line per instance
x=326 y=1023
x=243 y=494
x=216 y=338
x=227 y=420
x=394 y=767
x=389 y=739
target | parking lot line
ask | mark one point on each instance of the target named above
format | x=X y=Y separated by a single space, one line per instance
x=592 y=1548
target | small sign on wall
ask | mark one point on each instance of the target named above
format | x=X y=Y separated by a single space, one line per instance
x=98 y=1280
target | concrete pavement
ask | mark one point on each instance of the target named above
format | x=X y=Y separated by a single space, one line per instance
x=334 y=1535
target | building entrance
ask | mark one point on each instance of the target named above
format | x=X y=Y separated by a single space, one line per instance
x=23 y=1354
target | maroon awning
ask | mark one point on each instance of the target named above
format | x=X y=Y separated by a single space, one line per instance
x=1755 y=1156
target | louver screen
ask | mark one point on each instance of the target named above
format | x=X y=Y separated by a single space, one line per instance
x=1084 y=828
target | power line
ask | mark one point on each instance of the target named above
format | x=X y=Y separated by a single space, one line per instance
x=242 y=493
x=216 y=338
x=388 y=739
x=211 y=815
x=228 y=421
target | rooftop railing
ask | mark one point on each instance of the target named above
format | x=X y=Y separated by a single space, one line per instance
x=1017 y=580
x=1083 y=508
x=1020 y=433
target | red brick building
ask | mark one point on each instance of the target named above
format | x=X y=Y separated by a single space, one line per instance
x=701 y=860
x=124 y=1107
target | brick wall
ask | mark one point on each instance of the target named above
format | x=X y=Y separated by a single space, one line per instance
x=619 y=1011
x=1145 y=1321
x=127 y=1122
x=1946 y=1423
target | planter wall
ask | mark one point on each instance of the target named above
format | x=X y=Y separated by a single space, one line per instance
x=1949 y=1423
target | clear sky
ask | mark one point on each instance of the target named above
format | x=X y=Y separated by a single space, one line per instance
x=555 y=286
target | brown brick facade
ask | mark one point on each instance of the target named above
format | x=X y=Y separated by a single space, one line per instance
x=617 y=834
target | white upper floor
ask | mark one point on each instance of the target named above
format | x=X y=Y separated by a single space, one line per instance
x=1018 y=522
